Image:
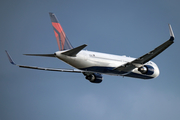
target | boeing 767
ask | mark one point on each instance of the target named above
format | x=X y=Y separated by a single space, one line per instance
x=94 y=64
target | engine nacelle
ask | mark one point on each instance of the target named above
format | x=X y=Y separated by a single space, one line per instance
x=94 y=77
x=146 y=69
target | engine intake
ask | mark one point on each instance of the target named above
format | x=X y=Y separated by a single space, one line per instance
x=146 y=69
x=94 y=77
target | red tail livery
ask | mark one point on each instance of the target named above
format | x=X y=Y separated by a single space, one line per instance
x=62 y=40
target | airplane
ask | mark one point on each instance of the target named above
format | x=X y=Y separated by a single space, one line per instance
x=93 y=64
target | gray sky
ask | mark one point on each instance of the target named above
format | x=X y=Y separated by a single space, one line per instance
x=121 y=27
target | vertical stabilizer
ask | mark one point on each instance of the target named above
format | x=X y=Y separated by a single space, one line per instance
x=62 y=40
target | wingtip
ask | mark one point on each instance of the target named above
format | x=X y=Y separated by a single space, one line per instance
x=10 y=59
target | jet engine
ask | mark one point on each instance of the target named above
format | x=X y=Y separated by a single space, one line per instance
x=94 y=77
x=146 y=69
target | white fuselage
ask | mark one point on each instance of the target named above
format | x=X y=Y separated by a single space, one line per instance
x=104 y=63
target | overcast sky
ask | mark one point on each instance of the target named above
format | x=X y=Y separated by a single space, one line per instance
x=121 y=27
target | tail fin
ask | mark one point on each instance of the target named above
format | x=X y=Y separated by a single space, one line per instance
x=62 y=40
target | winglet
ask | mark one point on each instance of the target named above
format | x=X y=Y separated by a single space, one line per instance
x=10 y=59
x=171 y=33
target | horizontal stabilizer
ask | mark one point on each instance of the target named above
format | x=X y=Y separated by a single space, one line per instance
x=43 y=55
x=74 y=51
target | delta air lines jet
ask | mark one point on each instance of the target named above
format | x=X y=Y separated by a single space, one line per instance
x=94 y=64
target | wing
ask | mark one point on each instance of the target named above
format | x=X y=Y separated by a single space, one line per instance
x=41 y=68
x=147 y=57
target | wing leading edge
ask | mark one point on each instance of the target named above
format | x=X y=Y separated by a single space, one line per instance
x=148 y=56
